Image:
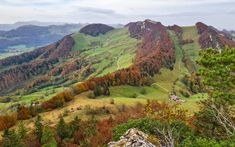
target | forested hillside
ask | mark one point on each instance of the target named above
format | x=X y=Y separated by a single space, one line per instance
x=92 y=86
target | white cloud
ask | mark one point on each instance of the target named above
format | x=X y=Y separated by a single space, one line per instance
x=182 y=12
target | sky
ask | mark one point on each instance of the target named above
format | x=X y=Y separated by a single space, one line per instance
x=218 y=13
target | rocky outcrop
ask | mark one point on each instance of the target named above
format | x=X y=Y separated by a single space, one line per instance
x=132 y=138
x=96 y=29
x=211 y=37
x=201 y=27
x=177 y=30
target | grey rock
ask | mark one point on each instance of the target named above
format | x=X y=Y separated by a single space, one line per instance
x=132 y=138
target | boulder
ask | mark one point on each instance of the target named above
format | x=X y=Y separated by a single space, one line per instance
x=132 y=138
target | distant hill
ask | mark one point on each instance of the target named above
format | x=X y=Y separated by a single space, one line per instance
x=231 y=32
x=8 y=27
x=31 y=36
x=96 y=29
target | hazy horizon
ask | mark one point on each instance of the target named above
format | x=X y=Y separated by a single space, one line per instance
x=218 y=13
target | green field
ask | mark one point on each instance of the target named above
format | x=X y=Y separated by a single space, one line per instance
x=110 y=52
x=191 y=50
x=40 y=95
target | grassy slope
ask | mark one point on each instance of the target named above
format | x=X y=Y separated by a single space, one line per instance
x=106 y=53
x=164 y=82
x=124 y=94
x=192 y=49
x=113 y=51
x=107 y=48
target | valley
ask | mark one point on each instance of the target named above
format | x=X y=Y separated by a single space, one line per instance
x=109 y=53
x=107 y=73
x=114 y=51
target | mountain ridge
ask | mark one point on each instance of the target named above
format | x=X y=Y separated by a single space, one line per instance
x=70 y=57
x=31 y=36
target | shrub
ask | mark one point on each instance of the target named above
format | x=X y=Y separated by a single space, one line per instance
x=154 y=140
x=38 y=127
x=91 y=96
x=23 y=113
x=104 y=132
x=67 y=95
x=121 y=108
x=97 y=111
x=86 y=131
x=62 y=129
x=11 y=139
x=203 y=142
x=48 y=139
x=153 y=127
x=112 y=101
x=143 y=91
x=75 y=125
x=32 y=141
x=7 y=121
x=66 y=112
x=184 y=93
x=134 y=95
x=22 y=131
x=78 y=137
x=58 y=100
x=55 y=102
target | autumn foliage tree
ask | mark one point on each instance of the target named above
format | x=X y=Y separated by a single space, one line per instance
x=58 y=100
x=23 y=113
x=11 y=139
x=7 y=121
x=38 y=127
x=62 y=129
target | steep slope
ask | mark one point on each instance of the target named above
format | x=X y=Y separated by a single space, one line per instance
x=211 y=37
x=83 y=75
x=79 y=57
x=133 y=55
x=75 y=58
x=32 y=64
x=155 y=39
